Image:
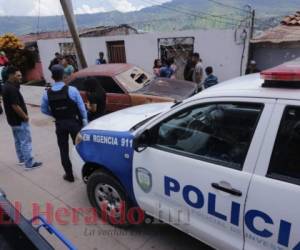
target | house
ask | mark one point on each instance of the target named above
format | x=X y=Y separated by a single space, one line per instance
x=143 y=49
x=30 y=41
x=278 y=44
x=223 y=49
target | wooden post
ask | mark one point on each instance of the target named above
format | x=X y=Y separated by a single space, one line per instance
x=68 y=12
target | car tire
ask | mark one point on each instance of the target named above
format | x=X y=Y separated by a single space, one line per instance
x=107 y=195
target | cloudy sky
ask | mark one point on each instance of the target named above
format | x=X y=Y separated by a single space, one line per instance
x=52 y=7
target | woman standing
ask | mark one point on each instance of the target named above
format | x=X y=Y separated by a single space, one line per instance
x=68 y=68
x=96 y=98
x=156 y=67
x=173 y=67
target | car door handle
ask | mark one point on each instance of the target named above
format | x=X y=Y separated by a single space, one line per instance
x=231 y=191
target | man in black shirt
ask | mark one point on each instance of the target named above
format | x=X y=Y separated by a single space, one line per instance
x=17 y=118
x=101 y=59
x=252 y=68
x=189 y=69
x=57 y=59
x=96 y=98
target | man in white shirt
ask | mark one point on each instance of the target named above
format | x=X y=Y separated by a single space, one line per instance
x=198 y=70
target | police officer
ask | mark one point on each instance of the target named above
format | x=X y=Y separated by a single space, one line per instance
x=65 y=104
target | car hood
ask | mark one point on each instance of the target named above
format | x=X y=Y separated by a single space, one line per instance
x=176 y=89
x=125 y=119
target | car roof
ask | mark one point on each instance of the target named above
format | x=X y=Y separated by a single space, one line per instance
x=249 y=86
x=104 y=70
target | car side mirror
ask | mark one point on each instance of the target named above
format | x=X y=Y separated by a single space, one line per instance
x=142 y=141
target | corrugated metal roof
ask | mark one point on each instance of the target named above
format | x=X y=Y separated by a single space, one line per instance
x=33 y=37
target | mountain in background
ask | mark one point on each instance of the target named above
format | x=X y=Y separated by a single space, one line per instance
x=175 y=15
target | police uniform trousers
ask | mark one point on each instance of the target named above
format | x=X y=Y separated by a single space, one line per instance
x=64 y=129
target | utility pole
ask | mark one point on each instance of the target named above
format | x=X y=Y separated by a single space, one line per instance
x=68 y=12
x=247 y=50
x=252 y=23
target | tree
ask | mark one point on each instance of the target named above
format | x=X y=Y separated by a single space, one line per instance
x=16 y=52
x=10 y=42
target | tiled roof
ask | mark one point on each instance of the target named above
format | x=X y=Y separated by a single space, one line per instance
x=292 y=20
x=287 y=31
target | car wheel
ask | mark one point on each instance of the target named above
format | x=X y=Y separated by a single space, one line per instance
x=107 y=195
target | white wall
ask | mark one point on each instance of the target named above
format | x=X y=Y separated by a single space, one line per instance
x=216 y=47
x=32 y=94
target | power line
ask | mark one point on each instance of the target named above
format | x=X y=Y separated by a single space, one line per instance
x=212 y=15
x=228 y=6
x=145 y=22
x=199 y=14
x=153 y=22
x=182 y=10
x=38 y=18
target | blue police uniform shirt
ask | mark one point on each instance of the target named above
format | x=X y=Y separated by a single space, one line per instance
x=73 y=94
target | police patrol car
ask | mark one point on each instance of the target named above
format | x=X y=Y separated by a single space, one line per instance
x=225 y=164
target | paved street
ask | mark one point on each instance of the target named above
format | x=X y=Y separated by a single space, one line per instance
x=45 y=185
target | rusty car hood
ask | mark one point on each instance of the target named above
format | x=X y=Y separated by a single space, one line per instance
x=165 y=87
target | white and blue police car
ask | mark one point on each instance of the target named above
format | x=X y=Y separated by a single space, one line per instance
x=222 y=166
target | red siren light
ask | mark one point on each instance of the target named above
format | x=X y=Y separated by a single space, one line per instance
x=289 y=72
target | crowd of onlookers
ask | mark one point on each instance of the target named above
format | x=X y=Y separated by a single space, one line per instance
x=64 y=103
x=167 y=68
x=67 y=62
x=70 y=65
x=193 y=71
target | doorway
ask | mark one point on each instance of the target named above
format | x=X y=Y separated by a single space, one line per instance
x=178 y=48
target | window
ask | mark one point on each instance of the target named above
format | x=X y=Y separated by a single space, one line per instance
x=218 y=133
x=285 y=160
x=109 y=85
x=78 y=83
x=116 y=52
x=134 y=79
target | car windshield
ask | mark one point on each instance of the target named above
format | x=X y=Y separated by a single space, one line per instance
x=134 y=79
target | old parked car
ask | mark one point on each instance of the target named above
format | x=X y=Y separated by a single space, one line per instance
x=127 y=85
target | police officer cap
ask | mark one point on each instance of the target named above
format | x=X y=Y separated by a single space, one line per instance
x=57 y=70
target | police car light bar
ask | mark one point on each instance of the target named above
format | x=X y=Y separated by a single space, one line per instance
x=287 y=72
